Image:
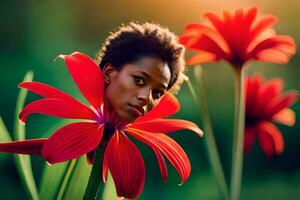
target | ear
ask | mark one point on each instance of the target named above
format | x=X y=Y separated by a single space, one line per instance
x=109 y=72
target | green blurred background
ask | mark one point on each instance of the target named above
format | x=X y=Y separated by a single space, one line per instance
x=33 y=33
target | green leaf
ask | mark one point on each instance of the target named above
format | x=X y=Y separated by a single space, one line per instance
x=23 y=161
x=65 y=181
x=77 y=180
x=52 y=179
x=109 y=189
x=19 y=127
x=4 y=134
x=53 y=175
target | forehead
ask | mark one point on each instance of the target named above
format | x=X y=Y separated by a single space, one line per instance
x=154 y=68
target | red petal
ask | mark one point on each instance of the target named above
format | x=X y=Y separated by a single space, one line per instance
x=195 y=30
x=72 y=141
x=283 y=46
x=166 y=145
x=250 y=16
x=271 y=88
x=229 y=29
x=238 y=40
x=167 y=106
x=186 y=37
x=265 y=22
x=201 y=57
x=252 y=85
x=207 y=43
x=162 y=164
x=90 y=157
x=166 y=126
x=236 y=37
x=126 y=165
x=286 y=116
x=33 y=146
x=266 y=93
x=57 y=108
x=87 y=76
x=217 y=22
x=283 y=101
x=273 y=55
x=46 y=91
x=270 y=139
x=51 y=92
x=249 y=138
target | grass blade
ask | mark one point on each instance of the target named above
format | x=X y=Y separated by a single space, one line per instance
x=109 y=189
x=78 y=180
x=53 y=175
x=23 y=161
x=4 y=134
x=66 y=179
x=51 y=180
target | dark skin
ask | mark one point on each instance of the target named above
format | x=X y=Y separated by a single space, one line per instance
x=135 y=88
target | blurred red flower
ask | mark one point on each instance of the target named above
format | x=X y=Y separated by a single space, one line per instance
x=121 y=156
x=267 y=103
x=237 y=37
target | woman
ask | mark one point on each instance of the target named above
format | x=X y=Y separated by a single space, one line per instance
x=140 y=63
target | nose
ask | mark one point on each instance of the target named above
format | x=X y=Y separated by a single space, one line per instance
x=144 y=95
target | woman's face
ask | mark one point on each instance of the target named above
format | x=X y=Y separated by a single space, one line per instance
x=136 y=88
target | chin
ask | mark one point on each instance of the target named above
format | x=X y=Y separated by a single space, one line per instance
x=131 y=119
x=126 y=117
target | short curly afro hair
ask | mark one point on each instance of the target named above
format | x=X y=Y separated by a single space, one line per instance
x=135 y=41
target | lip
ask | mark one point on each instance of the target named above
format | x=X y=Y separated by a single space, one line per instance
x=137 y=110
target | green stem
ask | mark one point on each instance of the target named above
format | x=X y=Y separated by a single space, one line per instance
x=95 y=185
x=210 y=143
x=238 y=135
x=95 y=180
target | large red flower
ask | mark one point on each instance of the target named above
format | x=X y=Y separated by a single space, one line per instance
x=121 y=156
x=237 y=37
x=265 y=104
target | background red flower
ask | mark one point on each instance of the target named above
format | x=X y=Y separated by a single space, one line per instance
x=237 y=37
x=266 y=103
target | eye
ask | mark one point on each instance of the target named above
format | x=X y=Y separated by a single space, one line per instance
x=157 y=94
x=138 y=80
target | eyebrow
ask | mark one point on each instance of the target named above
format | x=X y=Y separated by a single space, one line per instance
x=149 y=77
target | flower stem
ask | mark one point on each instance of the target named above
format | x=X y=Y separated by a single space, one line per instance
x=95 y=180
x=95 y=184
x=210 y=144
x=238 y=135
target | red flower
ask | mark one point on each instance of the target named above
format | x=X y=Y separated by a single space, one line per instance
x=121 y=156
x=265 y=104
x=237 y=37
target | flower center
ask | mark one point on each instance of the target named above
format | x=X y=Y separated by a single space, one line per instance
x=108 y=131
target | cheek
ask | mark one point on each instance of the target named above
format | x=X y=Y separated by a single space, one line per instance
x=118 y=94
x=113 y=94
